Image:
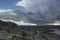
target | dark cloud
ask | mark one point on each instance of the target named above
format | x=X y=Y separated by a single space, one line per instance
x=44 y=11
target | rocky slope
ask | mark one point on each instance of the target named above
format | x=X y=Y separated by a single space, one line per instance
x=12 y=31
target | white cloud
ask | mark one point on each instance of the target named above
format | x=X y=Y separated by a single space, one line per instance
x=5 y=10
x=33 y=5
x=55 y=23
x=13 y=13
x=21 y=3
x=8 y=11
x=37 y=4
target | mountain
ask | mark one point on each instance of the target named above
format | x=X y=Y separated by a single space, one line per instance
x=12 y=31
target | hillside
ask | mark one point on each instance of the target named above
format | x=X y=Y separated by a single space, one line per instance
x=12 y=31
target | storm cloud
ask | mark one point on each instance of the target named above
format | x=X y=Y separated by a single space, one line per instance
x=45 y=11
x=35 y=12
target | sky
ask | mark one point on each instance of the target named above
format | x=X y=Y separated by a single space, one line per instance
x=9 y=4
x=6 y=14
x=44 y=11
